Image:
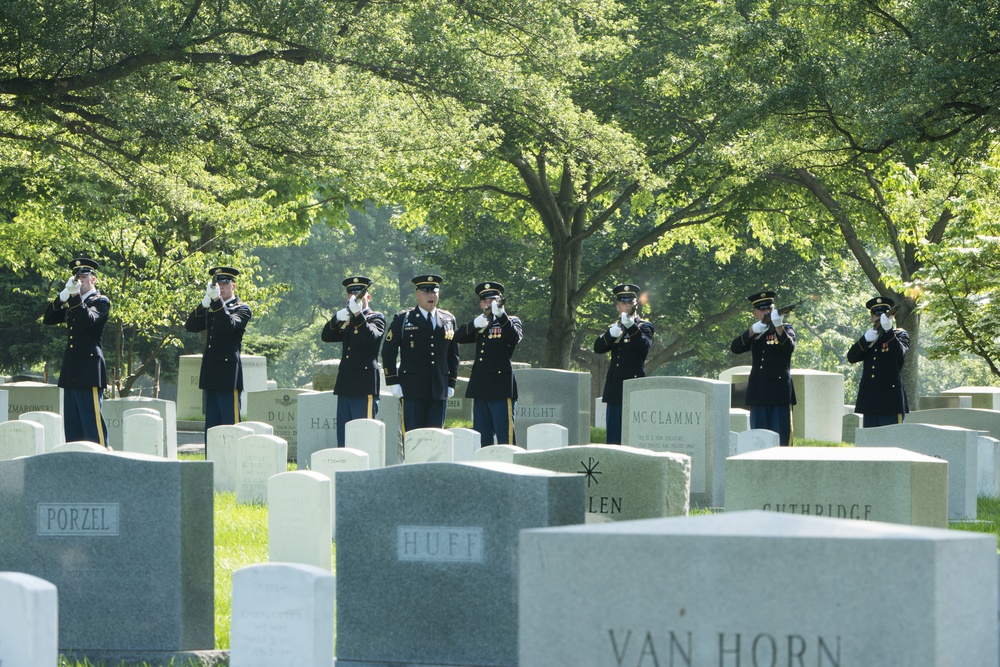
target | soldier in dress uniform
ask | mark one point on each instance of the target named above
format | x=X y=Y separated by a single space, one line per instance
x=422 y=340
x=84 y=374
x=360 y=330
x=492 y=385
x=881 y=396
x=628 y=340
x=770 y=395
x=225 y=318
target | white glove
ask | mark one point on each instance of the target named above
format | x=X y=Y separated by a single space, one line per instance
x=343 y=315
x=480 y=322
x=615 y=330
x=776 y=318
x=354 y=305
x=497 y=308
x=627 y=321
x=397 y=390
x=885 y=322
x=64 y=294
x=758 y=327
x=73 y=287
x=451 y=392
x=871 y=335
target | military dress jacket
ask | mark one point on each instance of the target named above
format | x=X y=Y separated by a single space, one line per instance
x=83 y=363
x=221 y=364
x=881 y=391
x=492 y=375
x=427 y=357
x=359 y=372
x=628 y=357
x=771 y=374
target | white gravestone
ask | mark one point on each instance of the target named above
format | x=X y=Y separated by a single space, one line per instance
x=220 y=449
x=282 y=615
x=498 y=453
x=752 y=440
x=424 y=445
x=53 y=425
x=329 y=461
x=739 y=420
x=600 y=413
x=21 y=438
x=885 y=484
x=280 y=409
x=755 y=589
x=850 y=425
x=190 y=405
x=114 y=410
x=546 y=436
x=817 y=413
x=142 y=433
x=367 y=435
x=260 y=428
x=258 y=458
x=688 y=416
x=299 y=519
x=989 y=467
x=390 y=413
x=958 y=446
x=80 y=446
x=29 y=621
x=971 y=418
x=466 y=441
x=317 y=427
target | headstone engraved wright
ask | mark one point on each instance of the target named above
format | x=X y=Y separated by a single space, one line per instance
x=549 y=396
x=29 y=621
x=127 y=540
x=860 y=593
x=427 y=552
x=688 y=416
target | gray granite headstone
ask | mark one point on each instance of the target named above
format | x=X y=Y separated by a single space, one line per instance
x=126 y=539
x=688 y=416
x=4 y=412
x=458 y=406
x=190 y=406
x=755 y=589
x=937 y=402
x=550 y=396
x=975 y=419
x=851 y=424
x=623 y=483
x=989 y=467
x=427 y=559
x=985 y=398
x=29 y=620
x=32 y=397
x=317 y=425
x=280 y=409
x=324 y=377
x=114 y=410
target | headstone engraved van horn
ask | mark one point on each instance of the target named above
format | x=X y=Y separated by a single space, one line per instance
x=958 y=446
x=114 y=410
x=220 y=448
x=688 y=416
x=299 y=522
x=811 y=591
x=282 y=615
x=29 y=621
x=126 y=539
x=280 y=409
x=549 y=396
x=317 y=427
x=623 y=483
x=52 y=423
x=32 y=397
x=869 y=483
x=427 y=559
x=21 y=438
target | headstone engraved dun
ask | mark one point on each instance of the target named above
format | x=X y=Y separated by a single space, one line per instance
x=258 y=457
x=29 y=621
x=688 y=416
x=870 y=483
x=126 y=540
x=220 y=448
x=668 y=592
x=21 y=438
x=299 y=521
x=280 y=409
x=282 y=615
x=622 y=483
x=426 y=553
x=53 y=425
x=549 y=396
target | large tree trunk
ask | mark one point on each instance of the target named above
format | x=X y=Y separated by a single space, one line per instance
x=911 y=368
x=564 y=283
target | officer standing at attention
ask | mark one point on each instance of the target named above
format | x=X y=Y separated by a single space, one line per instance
x=422 y=339
x=492 y=385
x=881 y=396
x=225 y=318
x=628 y=340
x=84 y=375
x=770 y=394
x=360 y=330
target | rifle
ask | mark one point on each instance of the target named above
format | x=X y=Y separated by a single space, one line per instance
x=501 y=301
x=357 y=297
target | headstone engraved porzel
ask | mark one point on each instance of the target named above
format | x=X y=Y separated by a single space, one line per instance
x=757 y=588
x=127 y=540
x=427 y=563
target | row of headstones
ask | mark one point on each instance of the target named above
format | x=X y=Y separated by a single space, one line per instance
x=440 y=540
x=143 y=431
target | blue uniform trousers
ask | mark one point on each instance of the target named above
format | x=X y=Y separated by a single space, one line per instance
x=354 y=407
x=222 y=407
x=82 y=418
x=777 y=418
x=422 y=413
x=871 y=421
x=613 y=420
x=494 y=418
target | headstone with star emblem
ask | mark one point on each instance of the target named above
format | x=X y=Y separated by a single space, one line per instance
x=687 y=416
x=428 y=554
x=280 y=409
x=623 y=483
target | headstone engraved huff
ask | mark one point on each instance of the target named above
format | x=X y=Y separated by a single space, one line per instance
x=757 y=589
x=427 y=559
